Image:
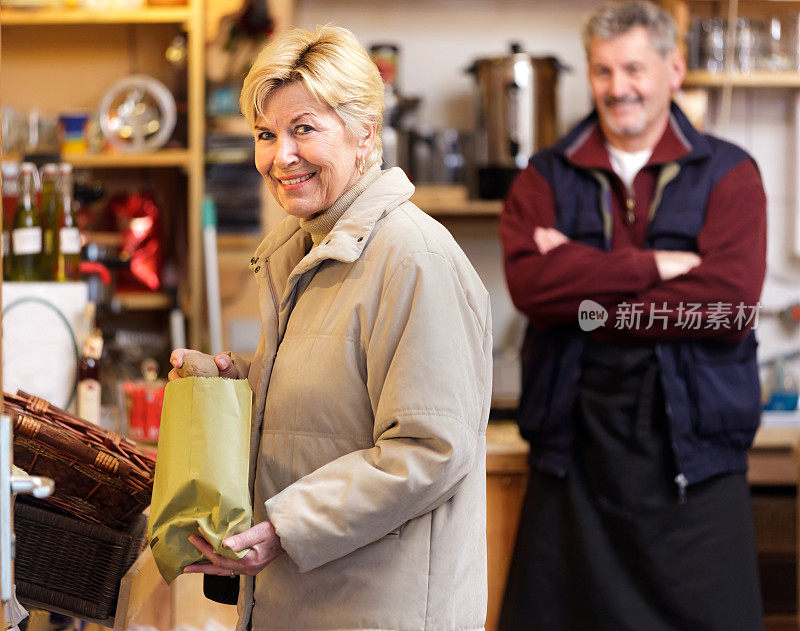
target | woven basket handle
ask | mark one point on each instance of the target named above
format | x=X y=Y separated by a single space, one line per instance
x=31 y=427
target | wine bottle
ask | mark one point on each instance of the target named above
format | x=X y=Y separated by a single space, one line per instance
x=26 y=232
x=50 y=221
x=69 y=238
x=89 y=377
x=10 y=198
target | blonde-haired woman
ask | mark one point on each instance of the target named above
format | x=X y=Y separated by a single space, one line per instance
x=372 y=378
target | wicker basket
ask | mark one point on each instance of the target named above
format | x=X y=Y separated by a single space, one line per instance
x=69 y=566
x=100 y=476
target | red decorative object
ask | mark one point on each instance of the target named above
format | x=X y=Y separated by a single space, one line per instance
x=139 y=220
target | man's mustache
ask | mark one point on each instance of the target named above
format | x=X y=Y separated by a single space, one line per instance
x=611 y=101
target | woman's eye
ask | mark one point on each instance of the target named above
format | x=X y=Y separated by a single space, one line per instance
x=265 y=135
x=303 y=129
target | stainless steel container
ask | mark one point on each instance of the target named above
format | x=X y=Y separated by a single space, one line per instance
x=516 y=115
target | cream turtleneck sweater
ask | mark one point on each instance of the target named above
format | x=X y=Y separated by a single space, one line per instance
x=320 y=225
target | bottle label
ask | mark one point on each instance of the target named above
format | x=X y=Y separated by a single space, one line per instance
x=70 y=241
x=26 y=240
x=89 y=400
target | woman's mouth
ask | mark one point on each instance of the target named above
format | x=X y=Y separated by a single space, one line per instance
x=296 y=180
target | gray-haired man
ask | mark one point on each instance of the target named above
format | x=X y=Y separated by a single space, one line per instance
x=637 y=515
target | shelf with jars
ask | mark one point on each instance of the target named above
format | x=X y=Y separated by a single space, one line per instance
x=762 y=79
x=739 y=44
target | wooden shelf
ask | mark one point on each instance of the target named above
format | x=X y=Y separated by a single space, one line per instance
x=447 y=201
x=143 y=300
x=163 y=158
x=702 y=79
x=110 y=239
x=145 y=15
x=472 y=208
x=239 y=241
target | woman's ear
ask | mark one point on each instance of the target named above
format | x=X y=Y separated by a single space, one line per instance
x=366 y=142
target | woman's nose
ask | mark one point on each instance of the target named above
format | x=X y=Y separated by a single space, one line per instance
x=286 y=151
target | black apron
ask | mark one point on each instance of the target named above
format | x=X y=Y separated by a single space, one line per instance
x=613 y=546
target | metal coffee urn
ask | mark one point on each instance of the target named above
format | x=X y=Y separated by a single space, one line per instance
x=516 y=115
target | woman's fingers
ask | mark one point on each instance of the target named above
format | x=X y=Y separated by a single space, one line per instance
x=203 y=546
x=225 y=366
x=264 y=544
x=224 y=363
x=208 y=568
x=176 y=358
x=261 y=532
x=219 y=564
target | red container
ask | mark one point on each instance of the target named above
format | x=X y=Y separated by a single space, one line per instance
x=144 y=402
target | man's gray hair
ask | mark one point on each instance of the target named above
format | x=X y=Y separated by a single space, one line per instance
x=616 y=18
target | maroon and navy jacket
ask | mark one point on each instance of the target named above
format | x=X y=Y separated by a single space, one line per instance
x=696 y=193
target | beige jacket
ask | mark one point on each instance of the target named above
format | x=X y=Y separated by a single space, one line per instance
x=368 y=447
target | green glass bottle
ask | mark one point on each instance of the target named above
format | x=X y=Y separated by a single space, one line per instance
x=50 y=221
x=69 y=238
x=26 y=232
x=10 y=195
x=6 y=250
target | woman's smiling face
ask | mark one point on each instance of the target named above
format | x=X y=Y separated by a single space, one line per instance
x=304 y=152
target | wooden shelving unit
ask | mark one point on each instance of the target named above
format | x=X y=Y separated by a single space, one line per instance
x=49 y=65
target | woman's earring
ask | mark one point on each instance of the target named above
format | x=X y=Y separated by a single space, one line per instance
x=362 y=165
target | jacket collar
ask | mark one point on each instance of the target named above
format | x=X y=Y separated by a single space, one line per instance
x=346 y=240
x=585 y=146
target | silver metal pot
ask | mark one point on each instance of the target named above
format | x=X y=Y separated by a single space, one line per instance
x=516 y=115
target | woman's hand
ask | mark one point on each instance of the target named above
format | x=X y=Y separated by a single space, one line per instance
x=222 y=360
x=264 y=544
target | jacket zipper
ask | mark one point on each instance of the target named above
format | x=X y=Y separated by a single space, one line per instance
x=682 y=483
x=680 y=479
x=630 y=204
x=271 y=286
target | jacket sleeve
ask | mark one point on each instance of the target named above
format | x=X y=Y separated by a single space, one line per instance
x=428 y=377
x=548 y=288
x=733 y=247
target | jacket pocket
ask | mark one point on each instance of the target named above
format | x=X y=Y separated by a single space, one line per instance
x=726 y=390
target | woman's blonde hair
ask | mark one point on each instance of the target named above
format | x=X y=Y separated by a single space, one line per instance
x=333 y=66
